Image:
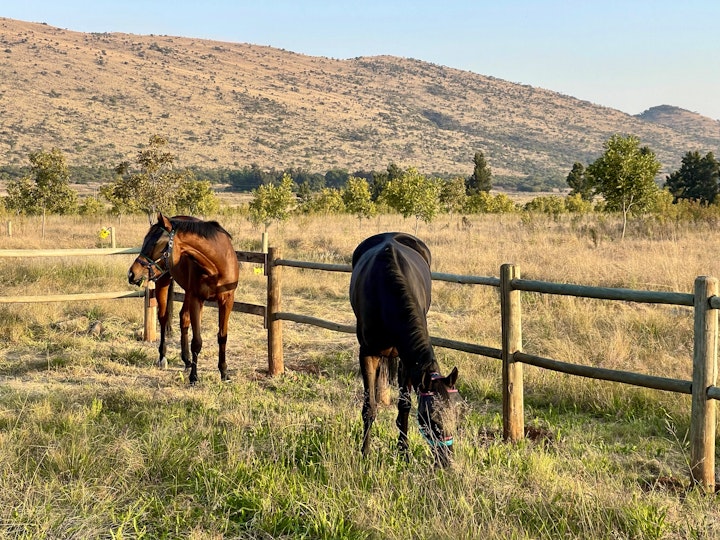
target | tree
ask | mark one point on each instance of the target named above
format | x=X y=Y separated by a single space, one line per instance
x=547 y=204
x=452 y=195
x=91 y=206
x=326 y=201
x=358 y=199
x=484 y=203
x=197 y=197
x=336 y=178
x=46 y=189
x=155 y=187
x=413 y=195
x=625 y=176
x=120 y=196
x=481 y=178
x=272 y=202
x=580 y=182
x=19 y=198
x=576 y=204
x=697 y=178
x=381 y=179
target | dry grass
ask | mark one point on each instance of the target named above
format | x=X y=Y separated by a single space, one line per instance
x=610 y=461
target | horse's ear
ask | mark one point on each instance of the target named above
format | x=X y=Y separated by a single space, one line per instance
x=452 y=378
x=165 y=221
x=425 y=382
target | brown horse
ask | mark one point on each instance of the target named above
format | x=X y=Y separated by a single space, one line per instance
x=390 y=290
x=198 y=255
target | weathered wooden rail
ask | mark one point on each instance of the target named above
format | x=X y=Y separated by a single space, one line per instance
x=704 y=301
x=148 y=293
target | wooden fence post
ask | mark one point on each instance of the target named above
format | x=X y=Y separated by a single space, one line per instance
x=150 y=332
x=112 y=237
x=702 y=421
x=9 y=228
x=512 y=371
x=274 y=326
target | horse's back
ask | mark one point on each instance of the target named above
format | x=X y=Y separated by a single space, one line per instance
x=216 y=243
x=390 y=284
x=384 y=239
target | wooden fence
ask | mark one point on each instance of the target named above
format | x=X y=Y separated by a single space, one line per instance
x=148 y=294
x=705 y=302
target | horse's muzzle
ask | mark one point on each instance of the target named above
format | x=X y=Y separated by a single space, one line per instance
x=133 y=279
x=443 y=456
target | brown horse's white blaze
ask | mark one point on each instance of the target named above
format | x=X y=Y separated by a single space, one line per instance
x=198 y=255
x=390 y=290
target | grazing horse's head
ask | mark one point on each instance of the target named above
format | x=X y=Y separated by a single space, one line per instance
x=154 y=253
x=438 y=412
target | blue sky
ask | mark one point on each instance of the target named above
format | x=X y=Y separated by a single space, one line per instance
x=629 y=55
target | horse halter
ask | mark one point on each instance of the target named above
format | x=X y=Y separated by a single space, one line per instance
x=165 y=257
x=425 y=398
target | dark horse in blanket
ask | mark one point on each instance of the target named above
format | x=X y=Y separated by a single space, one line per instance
x=390 y=295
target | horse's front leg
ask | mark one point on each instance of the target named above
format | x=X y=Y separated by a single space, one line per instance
x=404 y=404
x=163 y=311
x=369 y=366
x=224 y=309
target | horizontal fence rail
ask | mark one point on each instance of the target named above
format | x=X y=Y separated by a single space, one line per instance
x=26 y=253
x=350 y=329
x=30 y=253
x=604 y=293
x=436 y=276
x=238 y=307
x=604 y=374
x=70 y=297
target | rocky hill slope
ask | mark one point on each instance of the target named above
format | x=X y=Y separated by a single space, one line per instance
x=99 y=98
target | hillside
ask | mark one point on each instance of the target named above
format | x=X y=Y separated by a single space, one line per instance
x=99 y=97
x=681 y=120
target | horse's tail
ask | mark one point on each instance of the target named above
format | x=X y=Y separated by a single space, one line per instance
x=169 y=308
x=392 y=366
x=387 y=376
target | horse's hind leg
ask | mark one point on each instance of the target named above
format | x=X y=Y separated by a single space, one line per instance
x=369 y=366
x=184 y=329
x=190 y=350
x=196 y=343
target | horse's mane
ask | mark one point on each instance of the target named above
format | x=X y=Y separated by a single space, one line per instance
x=418 y=336
x=206 y=229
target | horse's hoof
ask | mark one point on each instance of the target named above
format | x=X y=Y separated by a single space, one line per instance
x=162 y=363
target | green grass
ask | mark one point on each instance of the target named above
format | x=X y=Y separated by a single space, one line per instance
x=135 y=453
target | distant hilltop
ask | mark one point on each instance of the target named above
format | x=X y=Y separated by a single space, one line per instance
x=99 y=97
x=680 y=119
